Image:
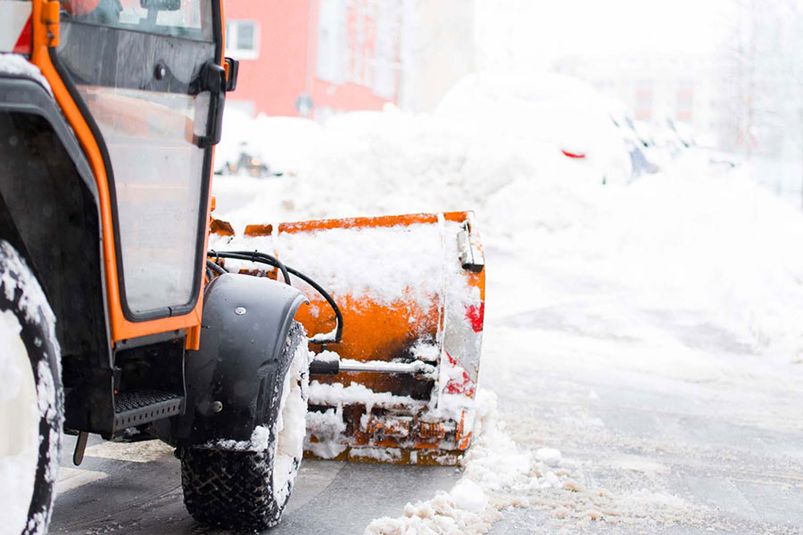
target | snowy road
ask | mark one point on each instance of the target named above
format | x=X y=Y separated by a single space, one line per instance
x=135 y=489
x=675 y=457
x=652 y=455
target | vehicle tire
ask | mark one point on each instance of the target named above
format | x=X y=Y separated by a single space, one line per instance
x=246 y=485
x=31 y=399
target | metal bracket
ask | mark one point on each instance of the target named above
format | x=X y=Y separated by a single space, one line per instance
x=471 y=256
x=51 y=18
x=80 y=448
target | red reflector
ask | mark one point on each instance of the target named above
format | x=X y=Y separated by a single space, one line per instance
x=575 y=155
x=476 y=315
x=23 y=44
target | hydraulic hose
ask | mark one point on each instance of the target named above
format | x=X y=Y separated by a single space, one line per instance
x=263 y=258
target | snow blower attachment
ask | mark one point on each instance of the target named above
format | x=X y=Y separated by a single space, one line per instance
x=395 y=317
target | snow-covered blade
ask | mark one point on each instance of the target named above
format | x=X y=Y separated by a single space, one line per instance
x=411 y=289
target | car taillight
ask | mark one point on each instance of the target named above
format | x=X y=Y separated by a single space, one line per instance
x=573 y=155
x=15 y=26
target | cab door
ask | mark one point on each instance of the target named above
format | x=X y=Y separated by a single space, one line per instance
x=148 y=75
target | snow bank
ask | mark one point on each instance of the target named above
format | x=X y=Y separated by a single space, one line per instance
x=710 y=245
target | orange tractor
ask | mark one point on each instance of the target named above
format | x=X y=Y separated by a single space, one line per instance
x=127 y=311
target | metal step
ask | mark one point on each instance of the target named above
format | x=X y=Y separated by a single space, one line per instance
x=144 y=406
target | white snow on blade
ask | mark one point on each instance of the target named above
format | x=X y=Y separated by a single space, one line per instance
x=418 y=367
x=337 y=395
x=18 y=65
x=406 y=263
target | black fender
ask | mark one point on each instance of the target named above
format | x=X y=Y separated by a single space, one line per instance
x=230 y=381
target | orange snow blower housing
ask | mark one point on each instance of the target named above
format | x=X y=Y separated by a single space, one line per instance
x=166 y=324
x=399 y=384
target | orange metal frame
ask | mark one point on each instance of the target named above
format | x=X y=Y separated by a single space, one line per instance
x=376 y=331
x=45 y=26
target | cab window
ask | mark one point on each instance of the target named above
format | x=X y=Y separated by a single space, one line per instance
x=189 y=19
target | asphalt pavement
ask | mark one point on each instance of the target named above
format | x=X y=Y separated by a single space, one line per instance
x=135 y=489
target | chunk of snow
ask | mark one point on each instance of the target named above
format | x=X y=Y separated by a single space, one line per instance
x=549 y=456
x=469 y=496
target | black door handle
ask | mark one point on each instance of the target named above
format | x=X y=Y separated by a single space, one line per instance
x=213 y=80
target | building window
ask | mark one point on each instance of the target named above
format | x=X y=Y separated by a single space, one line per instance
x=242 y=39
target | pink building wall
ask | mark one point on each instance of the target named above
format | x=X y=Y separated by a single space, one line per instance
x=285 y=65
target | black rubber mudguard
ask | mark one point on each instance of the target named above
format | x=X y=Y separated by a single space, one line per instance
x=240 y=364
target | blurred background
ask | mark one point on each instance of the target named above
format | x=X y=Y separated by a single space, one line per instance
x=722 y=75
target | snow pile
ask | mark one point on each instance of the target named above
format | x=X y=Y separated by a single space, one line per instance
x=490 y=130
x=497 y=474
x=281 y=142
x=683 y=262
x=689 y=239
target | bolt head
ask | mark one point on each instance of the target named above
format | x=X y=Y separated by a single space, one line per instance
x=240 y=311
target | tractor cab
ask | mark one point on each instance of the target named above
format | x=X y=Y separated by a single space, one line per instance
x=149 y=75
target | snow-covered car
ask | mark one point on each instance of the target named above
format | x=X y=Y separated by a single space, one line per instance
x=547 y=109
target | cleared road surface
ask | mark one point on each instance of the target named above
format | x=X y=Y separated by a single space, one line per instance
x=135 y=489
